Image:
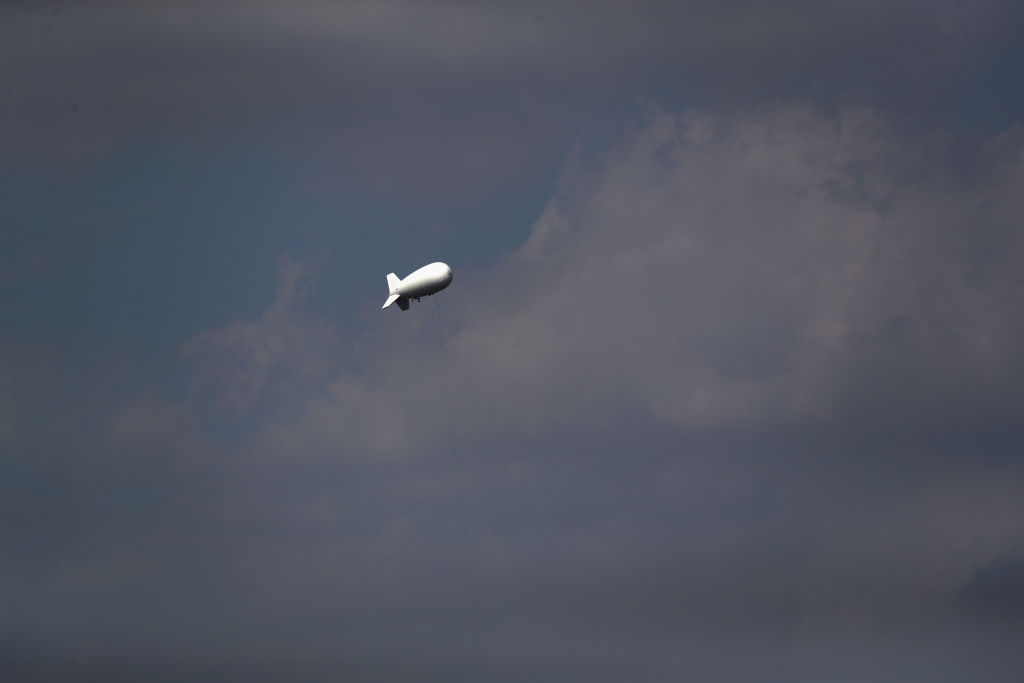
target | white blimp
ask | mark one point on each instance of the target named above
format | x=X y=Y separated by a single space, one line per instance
x=428 y=280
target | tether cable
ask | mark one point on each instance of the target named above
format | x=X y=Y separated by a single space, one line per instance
x=461 y=486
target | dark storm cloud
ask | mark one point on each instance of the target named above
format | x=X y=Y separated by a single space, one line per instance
x=997 y=589
x=498 y=39
x=81 y=77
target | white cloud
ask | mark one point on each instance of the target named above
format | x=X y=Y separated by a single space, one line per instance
x=735 y=271
x=238 y=360
x=782 y=266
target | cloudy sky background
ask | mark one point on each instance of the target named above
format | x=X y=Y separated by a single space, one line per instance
x=731 y=361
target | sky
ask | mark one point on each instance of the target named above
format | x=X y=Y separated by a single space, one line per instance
x=726 y=386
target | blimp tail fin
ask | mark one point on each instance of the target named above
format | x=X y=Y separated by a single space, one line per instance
x=393 y=283
x=403 y=302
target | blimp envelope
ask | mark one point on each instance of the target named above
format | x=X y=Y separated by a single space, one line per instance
x=429 y=279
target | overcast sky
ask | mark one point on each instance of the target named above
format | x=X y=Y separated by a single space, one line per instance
x=730 y=370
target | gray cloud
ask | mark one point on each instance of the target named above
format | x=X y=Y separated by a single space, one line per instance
x=742 y=400
x=785 y=267
x=785 y=302
x=81 y=77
